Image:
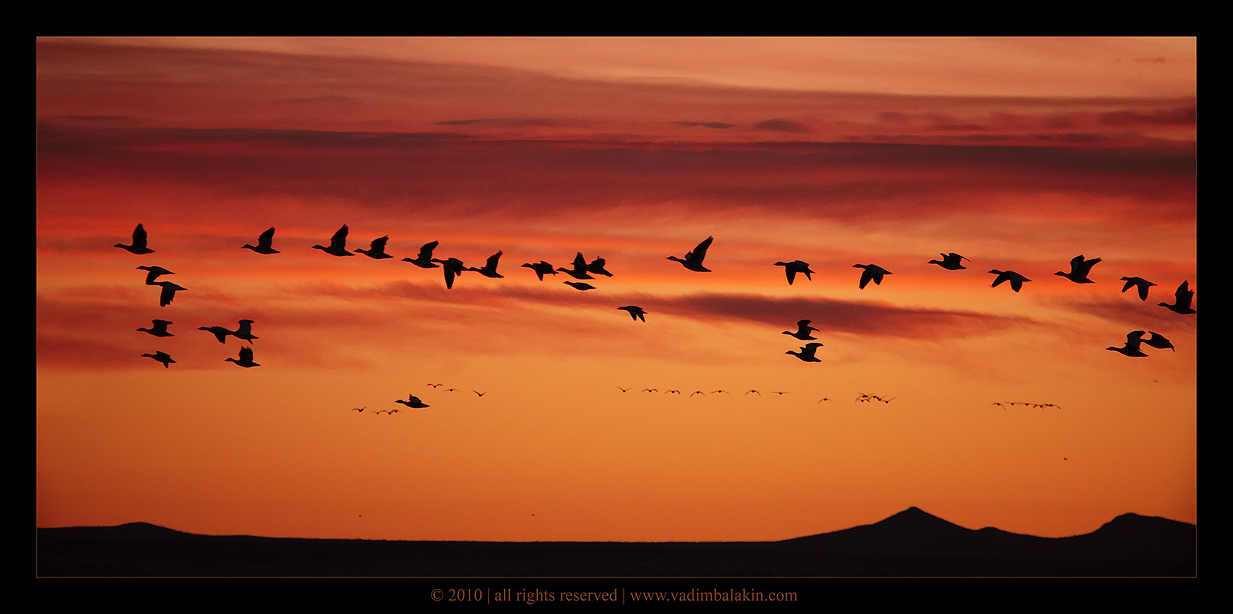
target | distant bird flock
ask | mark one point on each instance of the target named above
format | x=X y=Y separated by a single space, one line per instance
x=582 y=271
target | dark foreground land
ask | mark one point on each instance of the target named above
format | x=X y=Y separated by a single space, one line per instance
x=910 y=543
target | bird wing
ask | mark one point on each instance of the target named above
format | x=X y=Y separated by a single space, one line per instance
x=699 y=252
x=378 y=245
x=492 y=261
x=339 y=240
x=139 y=236
x=426 y=250
x=267 y=238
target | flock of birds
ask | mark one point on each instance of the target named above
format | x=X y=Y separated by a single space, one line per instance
x=581 y=270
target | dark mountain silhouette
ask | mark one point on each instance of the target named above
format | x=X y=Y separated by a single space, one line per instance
x=910 y=543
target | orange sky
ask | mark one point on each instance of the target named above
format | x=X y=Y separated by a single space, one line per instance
x=1017 y=153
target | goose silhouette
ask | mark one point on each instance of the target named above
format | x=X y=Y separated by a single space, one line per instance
x=412 y=401
x=159 y=329
x=597 y=266
x=1016 y=280
x=452 y=267
x=338 y=243
x=635 y=312
x=1137 y=282
x=162 y=357
x=265 y=243
x=153 y=273
x=490 y=268
x=246 y=358
x=1159 y=341
x=1131 y=347
x=541 y=268
x=580 y=285
x=794 y=267
x=803 y=330
x=807 y=352
x=872 y=273
x=693 y=260
x=219 y=332
x=579 y=270
x=1182 y=299
x=376 y=249
x=1079 y=268
x=950 y=262
x=245 y=331
x=169 y=292
x=139 y=242
x=424 y=259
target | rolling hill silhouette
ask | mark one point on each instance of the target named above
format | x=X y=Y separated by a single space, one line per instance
x=910 y=543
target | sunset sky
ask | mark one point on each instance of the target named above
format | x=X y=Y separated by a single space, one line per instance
x=1019 y=154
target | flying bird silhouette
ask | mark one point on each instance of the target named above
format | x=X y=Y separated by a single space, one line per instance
x=218 y=331
x=597 y=266
x=490 y=267
x=753 y=391
x=950 y=262
x=1016 y=280
x=541 y=268
x=412 y=401
x=246 y=358
x=807 y=352
x=376 y=249
x=1131 y=347
x=452 y=267
x=424 y=259
x=245 y=331
x=1137 y=282
x=635 y=312
x=162 y=357
x=580 y=285
x=139 y=242
x=159 y=329
x=169 y=292
x=578 y=268
x=359 y=409
x=1182 y=299
x=153 y=273
x=338 y=243
x=872 y=273
x=803 y=330
x=265 y=243
x=693 y=260
x=794 y=267
x=1079 y=268
x=478 y=393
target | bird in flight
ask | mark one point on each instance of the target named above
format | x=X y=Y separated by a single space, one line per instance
x=753 y=391
x=359 y=409
x=693 y=260
x=1137 y=282
x=245 y=331
x=1079 y=268
x=807 y=352
x=1016 y=280
x=635 y=312
x=153 y=273
x=376 y=249
x=169 y=292
x=424 y=259
x=623 y=389
x=162 y=357
x=950 y=262
x=697 y=392
x=338 y=243
x=436 y=385
x=218 y=331
x=452 y=268
x=246 y=358
x=478 y=393
x=541 y=268
x=1182 y=299
x=580 y=285
x=872 y=273
x=597 y=266
x=413 y=402
x=139 y=242
x=578 y=268
x=159 y=329
x=490 y=267
x=794 y=267
x=265 y=243
x=1131 y=347
x=803 y=330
